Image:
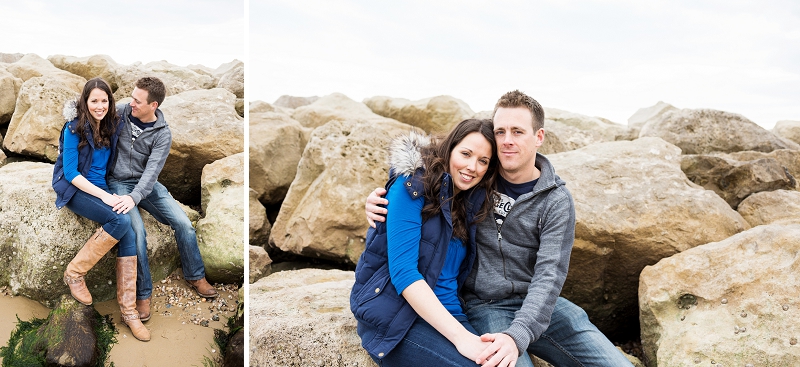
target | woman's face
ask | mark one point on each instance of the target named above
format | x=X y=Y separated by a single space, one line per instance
x=98 y=104
x=469 y=161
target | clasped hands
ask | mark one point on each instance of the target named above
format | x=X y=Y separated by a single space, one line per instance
x=120 y=204
x=499 y=350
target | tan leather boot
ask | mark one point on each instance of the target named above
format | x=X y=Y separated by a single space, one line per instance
x=94 y=249
x=143 y=307
x=126 y=297
x=203 y=288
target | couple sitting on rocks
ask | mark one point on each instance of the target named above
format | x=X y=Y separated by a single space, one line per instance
x=109 y=158
x=467 y=265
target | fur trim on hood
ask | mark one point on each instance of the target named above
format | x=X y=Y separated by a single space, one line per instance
x=404 y=152
x=70 y=111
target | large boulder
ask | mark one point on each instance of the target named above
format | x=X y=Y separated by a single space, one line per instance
x=634 y=206
x=205 y=128
x=233 y=79
x=735 y=180
x=337 y=107
x=294 y=102
x=727 y=303
x=259 y=226
x=9 y=89
x=33 y=66
x=706 y=131
x=789 y=159
x=219 y=233
x=598 y=128
x=177 y=79
x=435 y=115
x=38 y=117
x=89 y=67
x=311 y=309
x=642 y=115
x=37 y=241
x=788 y=130
x=323 y=213
x=10 y=58
x=276 y=144
x=779 y=206
x=259 y=263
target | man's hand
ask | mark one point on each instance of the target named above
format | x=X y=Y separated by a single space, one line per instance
x=502 y=352
x=471 y=345
x=375 y=212
x=124 y=205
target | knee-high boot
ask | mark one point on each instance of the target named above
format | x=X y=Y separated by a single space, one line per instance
x=126 y=297
x=94 y=249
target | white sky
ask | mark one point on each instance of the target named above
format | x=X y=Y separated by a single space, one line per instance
x=603 y=58
x=182 y=32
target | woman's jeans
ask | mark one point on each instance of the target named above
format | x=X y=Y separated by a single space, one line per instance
x=160 y=204
x=424 y=346
x=571 y=340
x=116 y=225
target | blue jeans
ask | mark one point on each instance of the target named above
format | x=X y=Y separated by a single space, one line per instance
x=116 y=225
x=166 y=210
x=424 y=346
x=571 y=340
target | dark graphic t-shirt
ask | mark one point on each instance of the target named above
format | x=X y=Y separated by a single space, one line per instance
x=508 y=193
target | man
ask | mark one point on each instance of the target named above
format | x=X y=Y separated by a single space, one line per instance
x=523 y=254
x=143 y=148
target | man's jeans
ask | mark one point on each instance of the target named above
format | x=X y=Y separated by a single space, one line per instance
x=571 y=340
x=166 y=210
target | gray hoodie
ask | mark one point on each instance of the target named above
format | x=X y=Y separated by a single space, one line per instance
x=529 y=258
x=143 y=159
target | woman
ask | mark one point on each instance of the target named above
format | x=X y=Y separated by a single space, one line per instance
x=86 y=148
x=405 y=296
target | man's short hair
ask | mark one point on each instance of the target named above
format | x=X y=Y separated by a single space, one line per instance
x=156 y=91
x=516 y=98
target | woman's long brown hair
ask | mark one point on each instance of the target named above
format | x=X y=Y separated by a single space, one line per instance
x=436 y=158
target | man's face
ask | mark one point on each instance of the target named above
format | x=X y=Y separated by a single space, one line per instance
x=517 y=143
x=139 y=106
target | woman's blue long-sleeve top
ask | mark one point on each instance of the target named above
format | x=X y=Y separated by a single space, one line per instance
x=404 y=235
x=98 y=167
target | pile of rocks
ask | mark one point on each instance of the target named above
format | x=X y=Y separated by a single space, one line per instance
x=673 y=186
x=205 y=169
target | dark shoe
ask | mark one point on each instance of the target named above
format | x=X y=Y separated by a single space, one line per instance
x=202 y=288
x=143 y=306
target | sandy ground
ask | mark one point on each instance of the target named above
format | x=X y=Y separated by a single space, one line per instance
x=178 y=337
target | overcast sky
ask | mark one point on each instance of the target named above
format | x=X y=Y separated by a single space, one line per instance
x=182 y=32
x=603 y=58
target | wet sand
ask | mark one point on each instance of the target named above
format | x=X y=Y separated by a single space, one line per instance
x=178 y=337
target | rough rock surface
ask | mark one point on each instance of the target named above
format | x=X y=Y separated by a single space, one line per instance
x=177 y=79
x=788 y=158
x=788 y=129
x=735 y=180
x=205 y=128
x=89 y=67
x=642 y=115
x=342 y=163
x=233 y=79
x=219 y=232
x=38 y=241
x=9 y=90
x=337 y=107
x=259 y=226
x=311 y=308
x=706 y=131
x=598 y=128
x=779 y=206
x=260 y=263
x=38 y=117
x=434 y=115
x=33 y=66
x=634 y=206
x=294 y=102
x=10 y=58
x=725 y=303
x=276 y=146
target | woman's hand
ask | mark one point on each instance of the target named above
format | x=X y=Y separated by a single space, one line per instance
x=124 y=204
x=110 y=199
x=501 y=352
x=471 y=346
